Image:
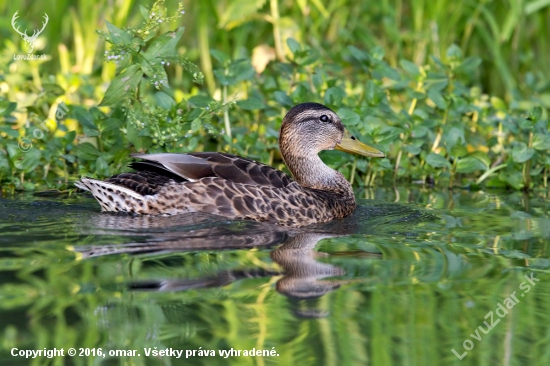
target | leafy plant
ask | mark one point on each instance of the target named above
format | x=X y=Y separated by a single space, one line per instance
x=432 y=119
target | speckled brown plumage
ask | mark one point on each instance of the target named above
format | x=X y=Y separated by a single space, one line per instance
x=239 y=188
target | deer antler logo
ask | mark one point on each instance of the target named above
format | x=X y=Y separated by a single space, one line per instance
x=29 y=39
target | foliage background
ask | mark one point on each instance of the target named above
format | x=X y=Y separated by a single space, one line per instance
x=456 y=92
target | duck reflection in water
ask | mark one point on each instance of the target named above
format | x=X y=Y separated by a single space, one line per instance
x=304 y=279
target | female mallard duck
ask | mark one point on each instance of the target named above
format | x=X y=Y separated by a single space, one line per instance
x=239 y=188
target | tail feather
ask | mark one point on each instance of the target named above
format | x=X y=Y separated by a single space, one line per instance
x=114 y=198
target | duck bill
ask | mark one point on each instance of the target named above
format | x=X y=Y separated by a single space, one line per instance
x=350 y=144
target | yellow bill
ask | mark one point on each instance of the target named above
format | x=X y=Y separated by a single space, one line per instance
x=350 y=144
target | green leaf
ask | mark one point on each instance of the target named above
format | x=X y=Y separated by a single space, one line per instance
x=459 y=151
x=469 y=164
x=377 y=53
x=454 y=52
x=241 y=70
x=521 y=153
x=498 y=103
x=200 y=101
x=144 y=12
x=251 y=104
x=334 y=96
x=437 y=82
x=144 y=132
x=52 y=89
x=70 y=158
x=412 y=149
x=536 y=171
x=87 y=151
x=436 y=97
x=126 y=82
x=308 y=57
x=524 y=123
x=117 y=35
x=148 y=69
x=139 y=142
x=469 y=65
x=164 y=100
x=196 y=125
x=535 y=114
x=360 y=55
x=13 y=150
x=410 y=68
x=348 y=117
x=300 y=93
x=388 y=134
x=318 y=80
x=111 y=124
x=452 y=137
x=384 y=163
x=30 y=160
x=4 y=163
x=541 y=142
x=220 y=56
x=483 y=157
x=101 y=166
x=85 y=119
x=164 y=45
x=237 y=71
x=437 y=161
x=419 y=131
x=293 y=45
x=283 y=99
x=372 y=93
x=513 y=178
x=7 y=107
x=69 y=137
x=9 y=131
x=387 y=71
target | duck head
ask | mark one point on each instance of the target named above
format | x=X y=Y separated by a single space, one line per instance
x=309 y=128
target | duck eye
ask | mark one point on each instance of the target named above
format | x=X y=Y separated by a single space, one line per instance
x=324 y=118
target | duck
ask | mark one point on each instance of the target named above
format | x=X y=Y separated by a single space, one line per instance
x=238 y=188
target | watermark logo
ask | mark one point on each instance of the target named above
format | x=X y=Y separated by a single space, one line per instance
x=501 y=311
x=29 y=40
x=25 y=144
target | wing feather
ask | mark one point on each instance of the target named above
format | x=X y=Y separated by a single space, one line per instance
x=229 y=167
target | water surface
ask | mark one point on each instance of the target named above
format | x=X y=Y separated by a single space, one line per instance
x=408 y=279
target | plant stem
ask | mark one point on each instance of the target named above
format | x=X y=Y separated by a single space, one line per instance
x=204 y=47
x=372 y=179
x=453 y=172
x=226 y=112
x=353 y=168
x=397 y=162
x=367 y=177
x=279 y=51
x=412 y=106
x=437 y=139
x=489 y=172
x=65 y=173
x=527 y=167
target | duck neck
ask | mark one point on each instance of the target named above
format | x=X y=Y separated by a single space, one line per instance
x=310 y=171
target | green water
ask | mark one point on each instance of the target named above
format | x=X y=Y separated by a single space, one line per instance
x=410 y=276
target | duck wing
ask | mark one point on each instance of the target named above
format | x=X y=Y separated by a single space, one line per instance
x=195 y=166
